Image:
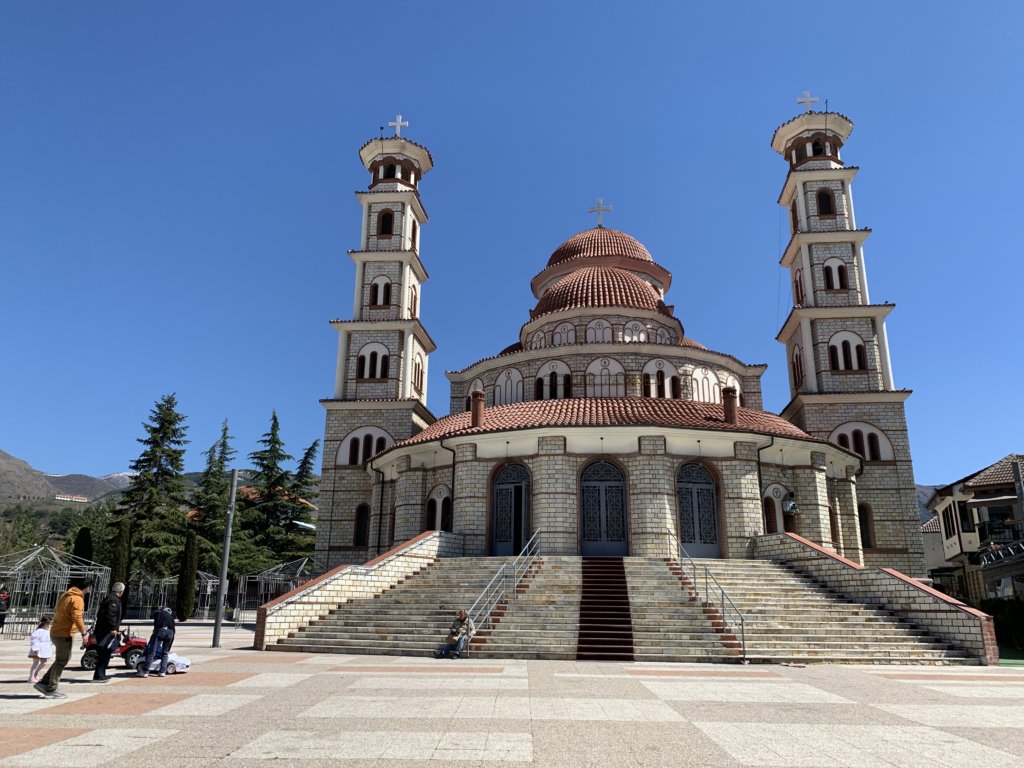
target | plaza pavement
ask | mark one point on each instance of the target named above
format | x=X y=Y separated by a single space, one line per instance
x=237 y=707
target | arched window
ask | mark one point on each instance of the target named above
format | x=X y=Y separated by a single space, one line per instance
x=634 y=332
x=697 y=497
x=386 y=223
x=863 y=438
x=858 y=441
x=447 y=516
x=413 y=302
x=862 y=363
x=706 y=388
x=874 y=451
x=658 y=378
x=844 y=441
x=830 y=280
x=380 y=445
x=508 y=387
x=353 y=450
x=361 y=529
x=797 y=364
x=383 y=372
x=771 y=524
x=835 y=275
x=372 y=369
x=843 y=281
x=817 y=148
x=866 y=521
x=439 y=509
x=645 y=385
x=550 y=376
x=606 y=378
x=676 y=388
x=380 y=291
x=566 y=385
x=538 y=388
x=826 y=203
x=367 y=446
x=846 y=352
x=361 y=367
x=599 y=331
x=362 y=444
x=798 y=288
x=510 y=505
x=373 y=295
x=661 y=336
x=563 y=334
x=414 y=235
x=659 y=382
x=847 y=355
x=372 y=362
x=794 y=218
x=390 y=171
x=552 y=385
x=537 y=341
x=417 y=373
x=431 y=521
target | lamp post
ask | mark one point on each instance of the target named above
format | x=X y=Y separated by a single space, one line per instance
x=222 y=587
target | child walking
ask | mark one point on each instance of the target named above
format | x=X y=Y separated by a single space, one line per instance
x=40 y=649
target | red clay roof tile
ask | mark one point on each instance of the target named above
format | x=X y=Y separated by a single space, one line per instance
x=597 y=242
x=600 y=287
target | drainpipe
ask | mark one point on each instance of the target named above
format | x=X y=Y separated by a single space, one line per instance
x=760 y=480
x=380 y=507
x=441 y=443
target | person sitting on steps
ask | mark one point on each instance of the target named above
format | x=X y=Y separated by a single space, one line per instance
x=459 y=635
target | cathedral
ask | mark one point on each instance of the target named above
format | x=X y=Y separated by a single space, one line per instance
x=605 y=430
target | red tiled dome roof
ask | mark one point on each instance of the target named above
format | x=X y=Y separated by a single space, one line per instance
x=600 y=287
x=608 y=412
x=597 y=242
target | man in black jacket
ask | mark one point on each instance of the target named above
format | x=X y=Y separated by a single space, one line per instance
x=108 y=624
x=160 y=641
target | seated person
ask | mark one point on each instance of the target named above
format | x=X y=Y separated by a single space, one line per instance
x=461 y=632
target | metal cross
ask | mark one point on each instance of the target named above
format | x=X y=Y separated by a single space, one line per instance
x=398 y=125
x=807 y=100
x=600 y=209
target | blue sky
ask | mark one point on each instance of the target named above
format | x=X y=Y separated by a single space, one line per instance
x=176 y=198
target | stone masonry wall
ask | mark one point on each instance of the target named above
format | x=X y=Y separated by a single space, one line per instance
x=314 y=599
x=943 y=616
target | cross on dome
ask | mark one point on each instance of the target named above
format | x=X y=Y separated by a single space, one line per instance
x=398 y=125
x=807 y=100
x=599 y=210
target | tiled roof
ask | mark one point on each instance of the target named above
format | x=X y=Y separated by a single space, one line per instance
x=401 y=138
x=608 y=412
x=802 y=114
x=1000 y=473
x=932 y=526
x=600 y=287
x=597 y=242
x=517 y=347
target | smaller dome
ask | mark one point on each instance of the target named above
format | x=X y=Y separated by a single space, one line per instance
x=598 y=242
x=600 y=287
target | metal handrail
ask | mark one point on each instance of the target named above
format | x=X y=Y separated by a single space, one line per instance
x=497 y=588
x=725 y=604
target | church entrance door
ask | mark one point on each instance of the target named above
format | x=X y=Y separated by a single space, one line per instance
x=603 y=511
x=698 y=511
x=510 y=509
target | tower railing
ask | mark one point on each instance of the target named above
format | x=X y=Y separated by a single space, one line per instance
x=731 y=615
x=505 y=580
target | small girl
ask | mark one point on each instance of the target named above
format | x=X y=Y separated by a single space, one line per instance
x=40 y=649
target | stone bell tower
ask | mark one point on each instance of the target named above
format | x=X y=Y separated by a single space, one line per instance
x=380 y=383
x=837 y=350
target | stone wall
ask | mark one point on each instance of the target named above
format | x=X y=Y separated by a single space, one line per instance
x=316 y=598
x=941 y=615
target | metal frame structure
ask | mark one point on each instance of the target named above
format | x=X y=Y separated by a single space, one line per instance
x=36 y=577
x=255 y=589
x=152 y=593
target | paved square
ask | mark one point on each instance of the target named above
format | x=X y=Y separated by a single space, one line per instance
x=237 y=708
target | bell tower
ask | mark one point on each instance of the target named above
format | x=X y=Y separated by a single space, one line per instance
x=380 y=381
x=840 y=374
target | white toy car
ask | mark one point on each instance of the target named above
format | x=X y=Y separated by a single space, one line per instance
x=175 y=664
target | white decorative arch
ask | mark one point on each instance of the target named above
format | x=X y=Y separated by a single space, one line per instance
x=606 y=378
x=773 y=499
x=560 y=371
x=659 y=379
x=538 y=341
x=599 y=331
x=361 y=444
x=863 y=438
x=847 y=352
x=840 y=277
x=476 y=386
x=508 y=387
x=706 y=387
x=372 y=361
x=634 y=330
x=563 y=334
x=662 y=336
x=380 y=291
x=435 y=506
x=732 y=381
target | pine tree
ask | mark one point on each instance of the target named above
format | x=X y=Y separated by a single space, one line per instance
x=120 y=565
x=271 y=482
x=303 y=491
x=158 y=491
x=83 y=543
x=185 y=595
x=210 y=500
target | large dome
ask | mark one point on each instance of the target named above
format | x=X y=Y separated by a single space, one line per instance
x=600 y=287
x=599 y=242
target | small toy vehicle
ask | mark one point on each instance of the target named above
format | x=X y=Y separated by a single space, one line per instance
x=129 y=647
x=175 y=664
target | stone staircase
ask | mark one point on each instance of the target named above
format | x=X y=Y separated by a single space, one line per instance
x=411 y=619
x=790 y=618
x=624 y=609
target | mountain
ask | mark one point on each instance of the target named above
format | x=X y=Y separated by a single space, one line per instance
x=18 y=480
x=924 y=492
x=119 y=480
x=82 y=485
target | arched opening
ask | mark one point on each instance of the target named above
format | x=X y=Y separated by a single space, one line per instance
x=373 y=295
x=645 y=385
x=677 y=392
x=415 y=235
x=862 y=363
x=603 y=511
x=361 y=529
x=510 y=510
x=552 y=386
x=874 y=451
x=447 y=519
x=844 y=442
x=858 y=442
x=847 y=355
x=430 y=524
x=367 y=447
x=386 y=224
x=538 y=388
x=373 y=365
x=353 y=451
x=830 y=282
x=826 y=203
x=698 y=511
x=817 y=148
x=843 y=280
x=361 y=367
x=390 y=170
x=383 y=373
x=380 y=445
x=833 y=357
x=567 y=385
x=771 y=524
x=385 y=298
x=660 y=382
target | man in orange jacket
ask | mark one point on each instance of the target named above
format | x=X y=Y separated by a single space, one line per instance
x=67 y=620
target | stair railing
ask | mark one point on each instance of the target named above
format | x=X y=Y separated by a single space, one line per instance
x=730 y=613
x=505 y=580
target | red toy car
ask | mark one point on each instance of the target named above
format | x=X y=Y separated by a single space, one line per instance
x=129 y=647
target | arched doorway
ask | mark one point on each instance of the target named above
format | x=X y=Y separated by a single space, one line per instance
x=698 y=511
x=510 y=509
x=603 y=511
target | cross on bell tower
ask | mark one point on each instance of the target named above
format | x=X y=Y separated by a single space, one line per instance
x=807 y=100
x=600 y=209
x=398 y=125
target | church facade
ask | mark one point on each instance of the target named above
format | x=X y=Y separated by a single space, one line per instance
x=606 y=428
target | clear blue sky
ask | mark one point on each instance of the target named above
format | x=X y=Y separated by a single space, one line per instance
x=176 y=198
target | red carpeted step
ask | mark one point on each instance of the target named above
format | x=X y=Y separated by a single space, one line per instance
x=606 y=626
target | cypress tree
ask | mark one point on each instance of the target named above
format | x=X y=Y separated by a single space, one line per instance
x=210 y=500
x=185 y=595
x=83 y=543
x=120 y=566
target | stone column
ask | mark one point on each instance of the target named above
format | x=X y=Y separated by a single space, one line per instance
x=553 y=497
x=812 y=499
x=847 y=492
x=408 y=501
x=741 y=500
x=471 y=499
x=651 y=502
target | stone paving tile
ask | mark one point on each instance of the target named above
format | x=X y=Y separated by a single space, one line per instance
x=968 y=691
x=93 y=748
x=742 y=691
x=136 y=703
x=959 y=715
x=265 y=657
x=447 y=683
x=396 y=669
x=14 y=741
x=271 y=680
x=204 y=705
x=197 y=678
x=30 y=701
x=950 y=676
